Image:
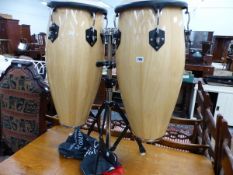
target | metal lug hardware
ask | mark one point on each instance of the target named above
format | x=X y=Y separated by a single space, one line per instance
x=117 y=38
x=157 y=38
x=187 y=34
x=102 y=37
x=91 y=36
x=53 y=32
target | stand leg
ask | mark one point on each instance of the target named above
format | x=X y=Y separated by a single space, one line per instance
x=104 y=121
x=101 y=131
x=97 y=117
x=101 y=145
x=108 y=125
x=142 y=150
x=116 y=143
x=139 y=142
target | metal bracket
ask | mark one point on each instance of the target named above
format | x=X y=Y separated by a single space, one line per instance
x=102 y=37
x=157 y=38
x=91 y=36
x=53 y=32
x=187 y=34
x=117 y=38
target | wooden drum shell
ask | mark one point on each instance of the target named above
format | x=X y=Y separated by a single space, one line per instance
x=73 y=76
x=150 y=88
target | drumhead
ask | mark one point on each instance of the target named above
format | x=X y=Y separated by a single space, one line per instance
x=92 y=6
x=155 y=4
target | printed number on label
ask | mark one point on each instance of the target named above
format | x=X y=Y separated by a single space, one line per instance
x=139 y=59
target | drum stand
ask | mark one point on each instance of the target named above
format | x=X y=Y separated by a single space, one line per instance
x=110 y=41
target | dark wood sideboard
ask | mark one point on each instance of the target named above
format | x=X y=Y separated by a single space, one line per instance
x=200 y=70
x=25 y=33
x=220 y=47
x=10 y=32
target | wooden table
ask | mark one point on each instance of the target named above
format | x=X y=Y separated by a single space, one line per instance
x=204 y=70
x=41 y=158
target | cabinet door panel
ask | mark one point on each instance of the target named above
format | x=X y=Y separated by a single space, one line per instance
x=3 y=31
x=224 y=107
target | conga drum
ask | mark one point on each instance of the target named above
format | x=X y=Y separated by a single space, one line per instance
x=73 y=48
x=150 y=63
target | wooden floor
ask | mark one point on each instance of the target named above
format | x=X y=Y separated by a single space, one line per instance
x=3 y=158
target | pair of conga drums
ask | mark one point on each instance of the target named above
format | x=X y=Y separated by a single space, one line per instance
x=150 y=60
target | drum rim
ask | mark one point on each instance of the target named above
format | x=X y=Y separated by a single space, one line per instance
x=154 y=4
x=78 y=5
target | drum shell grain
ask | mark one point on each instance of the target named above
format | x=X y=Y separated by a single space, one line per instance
x=150 y=88
x=71 y=62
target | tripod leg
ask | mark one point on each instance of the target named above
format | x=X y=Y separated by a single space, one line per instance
x=116 y=143
x=108 y=125
x=97 y=117
x=104 y=120
x=139 y=142
x=142 y=150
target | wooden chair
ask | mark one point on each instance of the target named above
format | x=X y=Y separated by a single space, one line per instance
x=194 y=141
x=210 y=131
x=225 y=153
x=183 y=139
x=206 y=133
x=23 y=97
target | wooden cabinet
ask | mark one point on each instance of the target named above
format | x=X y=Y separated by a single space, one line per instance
x=224 y=107
x=3 y=29
x=200 y=70
x=221 y=44
x=10 y=30
x=25 y=33
x=223 y=104
x=4 y=46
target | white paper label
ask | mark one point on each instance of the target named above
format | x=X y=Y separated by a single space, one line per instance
x=139 y=59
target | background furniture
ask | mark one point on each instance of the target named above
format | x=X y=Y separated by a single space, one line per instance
x=4 y=46
x=23 y=97
x=11 y=34
x=200 y=70
x=220 y=48
x=25 y=33
x=10 y=30
x=182 y=108
x=198 y=37
x=199 y=51
x=223 y=104
x=208 y=127
x=226 y=157
x=229 y=63
x=37 y=46
x=182 y=134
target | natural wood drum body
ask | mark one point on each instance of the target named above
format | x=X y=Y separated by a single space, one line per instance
x=150 y=88
x=73 y=76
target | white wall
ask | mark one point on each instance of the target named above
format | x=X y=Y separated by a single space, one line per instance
x=206 y=15
x=212 y=15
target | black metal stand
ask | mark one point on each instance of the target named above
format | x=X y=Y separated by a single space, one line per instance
x=111 y=41
x=110 y=37
x=115 y=107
